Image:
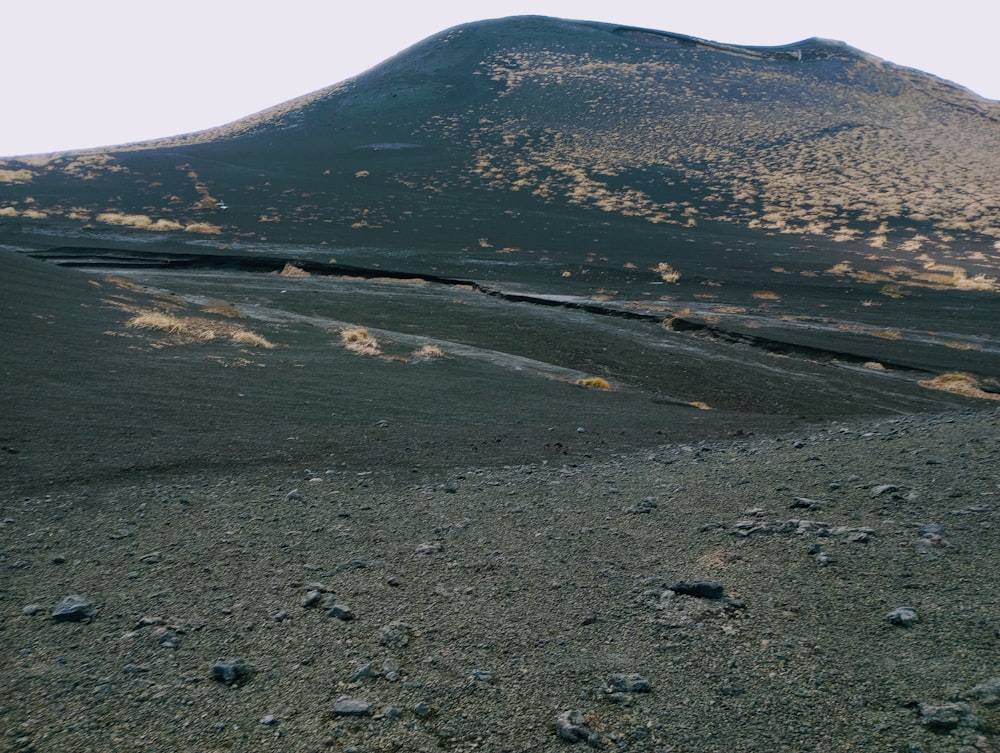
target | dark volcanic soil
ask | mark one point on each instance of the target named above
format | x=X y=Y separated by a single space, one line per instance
x=468 y=545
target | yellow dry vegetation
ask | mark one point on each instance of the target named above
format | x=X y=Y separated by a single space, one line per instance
x=293 y=270
x=594 y=383
x=140 y=221
x=360 y=340
x=959 y=383
x=428 y=351
x=666 y=272
x=193 y=329
x=203 y=227
x=16 y=176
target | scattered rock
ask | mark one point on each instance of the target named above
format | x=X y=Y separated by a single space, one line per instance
x=269 y=720
x=987 y=693
x=628 y=683
x=347 y=706
x=311 y=599
x=340 y=611
x=702 y=589
x=229 y=671
x=643 y=506
x=903 y=616
x=422 y=709
x=363 y=672
x=574 y=726
x=946 y=717
x=31 y=610
x=804 y=503
x=825 y=559
x=392 y=712
x=395 y=634
x=880 y=489
x=74 y=608
x=429 y=547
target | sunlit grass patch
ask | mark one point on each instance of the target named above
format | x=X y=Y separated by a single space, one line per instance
x=360 y=340
x=959 y=383
x=188 y=329
x=594 y=383
x=293 y=270
x=700 y=405
x=428 y=351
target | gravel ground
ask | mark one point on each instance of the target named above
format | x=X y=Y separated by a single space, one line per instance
x=719 y=596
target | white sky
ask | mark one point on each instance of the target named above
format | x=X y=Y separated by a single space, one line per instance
x=83 y=73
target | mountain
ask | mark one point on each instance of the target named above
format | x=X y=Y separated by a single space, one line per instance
x=680 y=218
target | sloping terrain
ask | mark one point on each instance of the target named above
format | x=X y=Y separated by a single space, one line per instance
x=435 y=391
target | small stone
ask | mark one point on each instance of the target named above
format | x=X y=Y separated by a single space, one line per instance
x=280 y=615
x=392 y=712
x=74 y=608
x=229 y=671
x=628 y=683
x=363 y=672
x=269 y=720
x=429 y=547
x=945 y=717
x=151 y=558
x=903 y=617
x=825 y=559
x=987 y=693
x=311 y=599
x=30 y=610
x=880 y=489
x=702 y=589
x=422 y=709
x=395 y=634
x=482 y=675
x=573 y=726
x=347 y=706
x=931 y=529
x=644 y=506
x=804 y=503
x=341 y=611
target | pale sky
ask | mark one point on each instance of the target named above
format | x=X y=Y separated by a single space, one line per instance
x=87 y=73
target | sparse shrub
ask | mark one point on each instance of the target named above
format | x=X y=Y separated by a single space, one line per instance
x=666 y=272
x=594 y=383
x=959 y=383
x=187 y=329
x=360 y=340
x=766 y=295
x=894 y=291
x=700 y=405
x=292 y=270
x=428 y=351
x=246 y=337
x=203 y=227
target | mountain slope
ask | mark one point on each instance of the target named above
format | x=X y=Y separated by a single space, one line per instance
x=543 y=115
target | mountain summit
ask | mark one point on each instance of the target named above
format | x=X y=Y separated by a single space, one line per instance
x=575 y=121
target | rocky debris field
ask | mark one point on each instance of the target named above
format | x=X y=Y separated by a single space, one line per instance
x=834 y=590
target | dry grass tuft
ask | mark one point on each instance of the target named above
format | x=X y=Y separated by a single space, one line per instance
x=766 y=295
x=959 y=383
x=360 y=340
x=223 y=308
x=594 y=383
x=428 y=351
x=700 y=405
x=188 y=329
x=666 y=272
x=246 y=337
x=874 y=366
x=291 y=270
